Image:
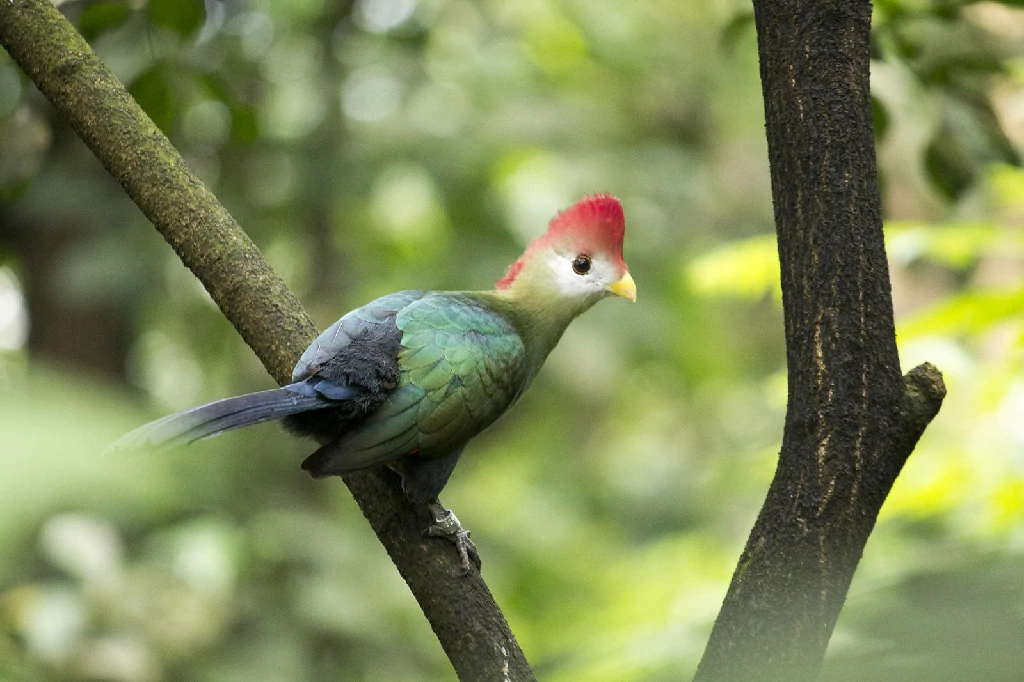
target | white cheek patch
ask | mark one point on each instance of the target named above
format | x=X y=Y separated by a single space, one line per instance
x=569 y=283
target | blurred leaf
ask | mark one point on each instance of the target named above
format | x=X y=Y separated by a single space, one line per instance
x=10 y=192
x=560 y=49
x=100 y=17
x=956 y=245
x=184 y=17
x=907 y=47
x=948 y=71
x=879 y=117
x=948 y=168
x=244 y=124
x=25 y=140
x=1007 y=185
x=967 y=313
x=747 y=268
x=735 y=29
x=153 y=93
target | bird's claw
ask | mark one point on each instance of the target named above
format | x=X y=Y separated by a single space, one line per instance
x=447 y=525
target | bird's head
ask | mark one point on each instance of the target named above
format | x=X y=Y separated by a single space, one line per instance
x=579 y=258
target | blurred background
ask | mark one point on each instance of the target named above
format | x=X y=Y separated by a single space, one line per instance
x=378 y=145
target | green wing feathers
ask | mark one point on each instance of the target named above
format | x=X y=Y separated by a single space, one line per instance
x=466 y=358
x=462 y=365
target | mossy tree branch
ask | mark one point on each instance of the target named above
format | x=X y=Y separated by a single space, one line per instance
x=462 y=612
x=852 y=420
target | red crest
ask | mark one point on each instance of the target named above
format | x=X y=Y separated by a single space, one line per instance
x=595 y=224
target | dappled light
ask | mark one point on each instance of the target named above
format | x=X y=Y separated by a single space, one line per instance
x=383 y=145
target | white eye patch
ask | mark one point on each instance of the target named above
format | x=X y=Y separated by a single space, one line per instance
x=569 y=282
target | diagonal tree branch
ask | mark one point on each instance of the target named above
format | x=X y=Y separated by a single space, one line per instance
x=461 y=610
x=852 y=420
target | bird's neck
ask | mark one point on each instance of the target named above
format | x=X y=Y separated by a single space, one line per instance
x=539 y=317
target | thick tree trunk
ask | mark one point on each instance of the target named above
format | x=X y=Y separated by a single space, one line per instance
x=470 y=626
x=852 y=419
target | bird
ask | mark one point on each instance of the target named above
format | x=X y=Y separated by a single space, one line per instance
x=409 y=378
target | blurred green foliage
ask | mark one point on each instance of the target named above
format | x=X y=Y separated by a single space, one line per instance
x=388 y=144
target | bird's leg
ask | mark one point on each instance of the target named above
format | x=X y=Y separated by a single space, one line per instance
x=447 y=525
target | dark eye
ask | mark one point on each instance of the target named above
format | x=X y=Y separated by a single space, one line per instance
x=581 y=264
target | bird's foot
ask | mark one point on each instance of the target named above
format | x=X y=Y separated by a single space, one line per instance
x=447 y=525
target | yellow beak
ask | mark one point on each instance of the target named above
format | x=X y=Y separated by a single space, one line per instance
x=625 y=287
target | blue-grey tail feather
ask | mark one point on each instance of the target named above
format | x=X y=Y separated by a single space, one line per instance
x=224 y=415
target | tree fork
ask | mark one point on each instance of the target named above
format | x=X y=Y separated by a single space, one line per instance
x=852 y=419
x=461 y=610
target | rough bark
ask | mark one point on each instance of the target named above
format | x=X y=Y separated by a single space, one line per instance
x=462 y=612
x=852 y=419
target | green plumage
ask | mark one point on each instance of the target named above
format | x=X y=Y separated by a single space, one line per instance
x=461 y=361
x=409 y=378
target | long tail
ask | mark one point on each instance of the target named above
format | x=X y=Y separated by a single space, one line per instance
x=224 y=415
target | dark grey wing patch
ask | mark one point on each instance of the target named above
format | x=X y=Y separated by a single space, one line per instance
x=339 y=336
x=355 y=361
